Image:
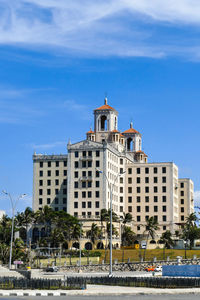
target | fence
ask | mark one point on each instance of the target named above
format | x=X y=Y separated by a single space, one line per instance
x=7 y=283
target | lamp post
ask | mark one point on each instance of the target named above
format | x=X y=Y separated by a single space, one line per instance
x=80 y=247
x=13 y=205
x=111 y=196
x=185 y=243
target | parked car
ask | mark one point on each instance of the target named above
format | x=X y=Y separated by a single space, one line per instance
x=158 y=269
x=150 y=269
x=52 y=269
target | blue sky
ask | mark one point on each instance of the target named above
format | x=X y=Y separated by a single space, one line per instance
x=58 y=58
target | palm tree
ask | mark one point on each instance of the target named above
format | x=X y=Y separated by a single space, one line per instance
x=190 y=230
x=150 y=230
x=127 y=218
x=94 y=233
x=46 y=216
x=25 y=219
x=166 y=239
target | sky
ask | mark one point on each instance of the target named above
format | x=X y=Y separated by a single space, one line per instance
x=58 y=60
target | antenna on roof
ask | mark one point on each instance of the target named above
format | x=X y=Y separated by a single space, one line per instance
x=131 y=123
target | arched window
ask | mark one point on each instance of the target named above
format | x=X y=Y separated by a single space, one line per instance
x=103 y=123
x=88 y=246
x=130 y=144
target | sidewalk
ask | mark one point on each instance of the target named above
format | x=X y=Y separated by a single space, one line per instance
x=100 y=290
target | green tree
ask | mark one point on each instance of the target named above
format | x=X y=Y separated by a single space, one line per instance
x=190 y=230
x=167 y=241
x=150 y=230
x=94 y=233
x=128 y=236
x=25 y=219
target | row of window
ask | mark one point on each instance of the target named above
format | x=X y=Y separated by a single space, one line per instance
x=86 y=184
x=57 y=191
x=138 y=180
x=56 y=201
x=86 y=164
x=155 y=208
x=89 y=204
x=57 y=163
x=89 y=194
x=49 y=173
x=138 y=189
x=155 y=170
x=76 y=174
x=139 y=227
x=87 y=153
x=164 y=218
x=146 y=198
x=49 y=182
x=89 y=214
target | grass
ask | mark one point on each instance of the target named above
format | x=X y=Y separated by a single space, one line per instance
x=63 y=261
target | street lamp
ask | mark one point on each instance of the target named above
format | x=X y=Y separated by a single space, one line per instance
x=80 y=246
x=111 y=195
x=13 y=205
x=185 y=243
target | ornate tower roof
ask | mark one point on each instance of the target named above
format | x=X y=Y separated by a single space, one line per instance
x=105 y=106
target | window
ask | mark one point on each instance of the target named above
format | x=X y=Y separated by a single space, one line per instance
x=40 y=192
x=155 y=170
x=155 y=208
x=164 y=189
x=64 y=191
x=76 y=164
x=155 y=199
x=40 y=182
x=138 y=228
x=121 y=179
x=96 y=213
x=164 y=227
x=138 y=208
x=65 y=182
x=164 y=179
x=155 y=179
x=138 y=189
x=75 y=214
x=97 y=163
x=90 y=153
x=182 y=209
x=182 y=218
x=89 y=173
x=129 y=199
x=182 y=184
x=97 y=204
x=89 y=184
x=89 y=164
x=121 y=161
x=146 y=170
x=155 y=189
x=56 y=208
x=83 y=184
x=56 y=191
x=146 y=189
x=138 y=170
x=89 y=194
x=48 y=173
x=56 y=182
x=121 y=199
x=97 y=173
x=138 y=179
x=121 y=189
x=182 y=193
x=146 y=219
x=41 y=173
x=56 y=200
x=83 y=214
x=83 y=194
x=64 y=209
x=48 y=200
x=146 y=208
x=84 y=173
x=164 y=218
x=97 y=153
x=76 y=153
x=129 y=209
x=129 y=171
x=146 y=179
x=49 y=164
x=64 y=172
x=83 y=204
x=138 y=218
x=129 y=180
x=97 y=194
x=75 y=194
x=182 y=201
x=156 y=218
x=89 y=214
x=164 y=208
x=164 y=169
x=84 y=153
x=164 y=198
x=121 y=170
x=97 y=184
x=40 y=201
x=138 y=198
x=75 y=204
x=83 y=164
x=121 y=208
x=75 y=184
x=147 y=199
x=41 y=164
x=57 y=163
x=57 y=172
x=89 y=205
x=129 y=189
x=64 y=200
x=65 y=163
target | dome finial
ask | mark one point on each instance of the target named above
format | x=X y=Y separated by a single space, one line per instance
x=131 y=124
x=105 y=99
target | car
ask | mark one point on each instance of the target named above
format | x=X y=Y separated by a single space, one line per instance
x=158 y=269
x=150 y=269
x=52 y=269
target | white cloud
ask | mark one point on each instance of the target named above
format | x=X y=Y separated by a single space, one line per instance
x=197 y=198
x=101 y=27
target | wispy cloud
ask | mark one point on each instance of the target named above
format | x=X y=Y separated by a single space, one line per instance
x=103 y=27
x=48 y=145
x=197 y=198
